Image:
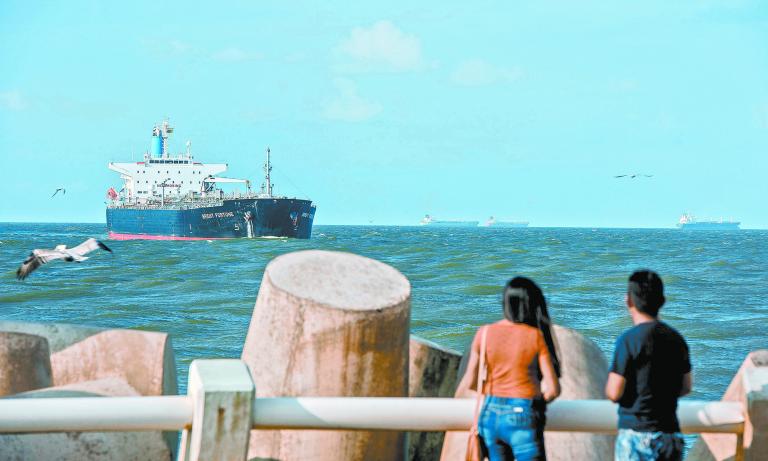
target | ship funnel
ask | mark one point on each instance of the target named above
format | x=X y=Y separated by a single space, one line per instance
x=157 y=143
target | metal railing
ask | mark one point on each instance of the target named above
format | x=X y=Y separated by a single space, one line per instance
x=223 y=378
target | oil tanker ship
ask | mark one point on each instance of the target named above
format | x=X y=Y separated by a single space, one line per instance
x=430 y=221
x=492 y=222
x=688 y=222
x=175 y=197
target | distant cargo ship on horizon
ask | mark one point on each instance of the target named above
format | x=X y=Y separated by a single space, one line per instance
x=689 y=222
x=430 y=221
x=492 y=222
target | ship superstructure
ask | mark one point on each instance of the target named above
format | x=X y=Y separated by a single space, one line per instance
x=175 y=197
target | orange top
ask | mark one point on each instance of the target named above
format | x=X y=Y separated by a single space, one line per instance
x=512 y=357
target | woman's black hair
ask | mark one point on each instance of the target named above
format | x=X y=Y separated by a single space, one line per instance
x=524 y=303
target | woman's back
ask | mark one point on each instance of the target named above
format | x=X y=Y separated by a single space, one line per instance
x=513 y=351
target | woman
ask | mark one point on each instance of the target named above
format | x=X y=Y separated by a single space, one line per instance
x=522 y=375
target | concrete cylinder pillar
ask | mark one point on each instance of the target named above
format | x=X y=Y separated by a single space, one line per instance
x=25 y=363
x=433 y=372
x=585 y=371
x=329 y=324
x=749 y=386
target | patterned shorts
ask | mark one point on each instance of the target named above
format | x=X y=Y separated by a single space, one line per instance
x=649 y=446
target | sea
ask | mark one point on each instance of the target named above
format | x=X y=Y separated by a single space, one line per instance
x=202 y=292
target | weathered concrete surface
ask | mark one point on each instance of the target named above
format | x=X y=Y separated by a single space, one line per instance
x=59 y=335
x=329 y=324
x=710 y=447
x=116 y=362
x=144 y=359
x=585 y=371
x=87 y=446
x=24 y=363
x=432 y=372
x=112 y=387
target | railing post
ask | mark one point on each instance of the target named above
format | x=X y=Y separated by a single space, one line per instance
x=756 y=405
x=223 y=393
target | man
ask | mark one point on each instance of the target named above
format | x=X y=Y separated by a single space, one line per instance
x=650 y=370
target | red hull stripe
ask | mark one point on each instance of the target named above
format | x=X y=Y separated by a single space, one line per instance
x=115 y=236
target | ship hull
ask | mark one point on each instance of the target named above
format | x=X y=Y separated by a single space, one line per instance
x=451 y=224
x=710 y=226
x=231 y=218
x=515 y=225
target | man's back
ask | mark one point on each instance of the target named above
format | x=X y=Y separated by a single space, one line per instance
x=652 y=357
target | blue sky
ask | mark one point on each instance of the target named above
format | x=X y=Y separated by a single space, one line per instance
x=382 y=113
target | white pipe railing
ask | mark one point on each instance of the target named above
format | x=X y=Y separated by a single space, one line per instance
x=332 y=413
x=220 y=410
x=82 y=414
x=440 y=414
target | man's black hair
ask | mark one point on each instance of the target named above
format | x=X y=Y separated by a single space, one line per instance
x=524 y=302
x=646 y=291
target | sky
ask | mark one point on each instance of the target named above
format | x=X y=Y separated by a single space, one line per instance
x=381 y=113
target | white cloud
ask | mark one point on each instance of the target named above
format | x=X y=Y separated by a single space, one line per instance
x=381 y=47
x=477 y=72
x=762 y=116
x=178 y=47
x=626 y=85
x=13 y=100
x=349 y=106
x=234 y=54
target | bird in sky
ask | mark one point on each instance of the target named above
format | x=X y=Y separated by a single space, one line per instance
x=63 y=192
x=39 y=257
x=633 y=176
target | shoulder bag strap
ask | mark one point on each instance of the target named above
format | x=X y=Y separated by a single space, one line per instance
x=482 y=372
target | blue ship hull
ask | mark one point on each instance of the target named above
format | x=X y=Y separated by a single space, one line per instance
x=714 y=225
x=229 y=218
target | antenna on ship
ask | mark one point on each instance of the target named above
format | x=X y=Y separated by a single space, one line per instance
x=267 y=186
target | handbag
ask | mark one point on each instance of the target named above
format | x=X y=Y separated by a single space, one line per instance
x=475 y=446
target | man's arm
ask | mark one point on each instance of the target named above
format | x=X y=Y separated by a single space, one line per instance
x=614 y=388
x=687 y=386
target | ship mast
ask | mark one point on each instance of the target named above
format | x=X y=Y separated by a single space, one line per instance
x=165 y=130
x=267 y=186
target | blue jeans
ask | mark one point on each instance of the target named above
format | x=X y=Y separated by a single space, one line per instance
x=648 y=446
x=513 y=429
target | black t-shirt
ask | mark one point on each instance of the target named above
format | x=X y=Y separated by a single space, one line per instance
x=652 y=357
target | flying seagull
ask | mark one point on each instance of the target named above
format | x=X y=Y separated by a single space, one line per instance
x=39 y=257
x=63 y=192
x=632 y=176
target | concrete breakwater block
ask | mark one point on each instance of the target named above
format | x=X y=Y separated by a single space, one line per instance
x=329 y=324
x=144 y=359
x=24 y=363
x=585 y=371
x=87 y=446
x=108 y=362
x=432 y=372
x=719 y=447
